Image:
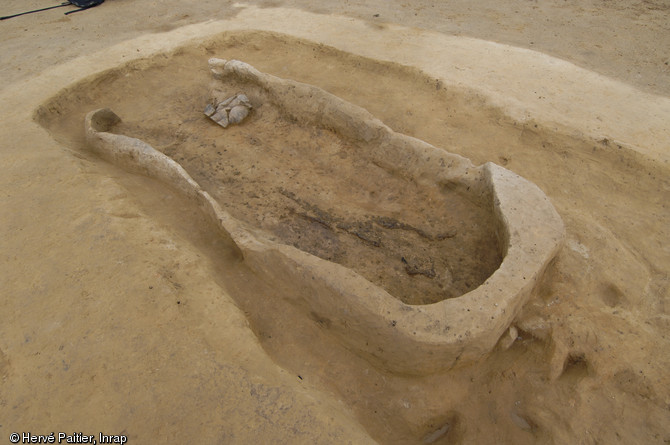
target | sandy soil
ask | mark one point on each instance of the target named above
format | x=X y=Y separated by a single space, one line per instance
x=124 y=313
x=306 y=186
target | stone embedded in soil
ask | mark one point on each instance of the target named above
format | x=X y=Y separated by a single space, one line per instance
x=230 y=111
x=508 y=338
x=520 y=421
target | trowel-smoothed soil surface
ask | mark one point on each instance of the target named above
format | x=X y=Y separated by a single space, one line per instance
x=304 y=185
x=123 y=312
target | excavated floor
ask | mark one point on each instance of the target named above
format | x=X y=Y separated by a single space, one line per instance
x=307 y=186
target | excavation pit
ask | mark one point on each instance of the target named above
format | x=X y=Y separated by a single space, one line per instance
x=413 y=256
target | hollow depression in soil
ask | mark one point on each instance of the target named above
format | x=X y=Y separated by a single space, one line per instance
x=311 y=172
x=307 y=186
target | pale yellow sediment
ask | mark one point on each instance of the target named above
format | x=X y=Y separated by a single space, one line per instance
x=527 y=84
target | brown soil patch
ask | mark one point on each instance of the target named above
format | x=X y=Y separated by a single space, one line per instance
x=307 y=186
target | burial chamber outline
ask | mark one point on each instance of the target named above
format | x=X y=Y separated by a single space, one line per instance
x=403 y=338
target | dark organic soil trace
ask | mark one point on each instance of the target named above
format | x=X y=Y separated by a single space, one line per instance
x=316 y=191
x=307 y=186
